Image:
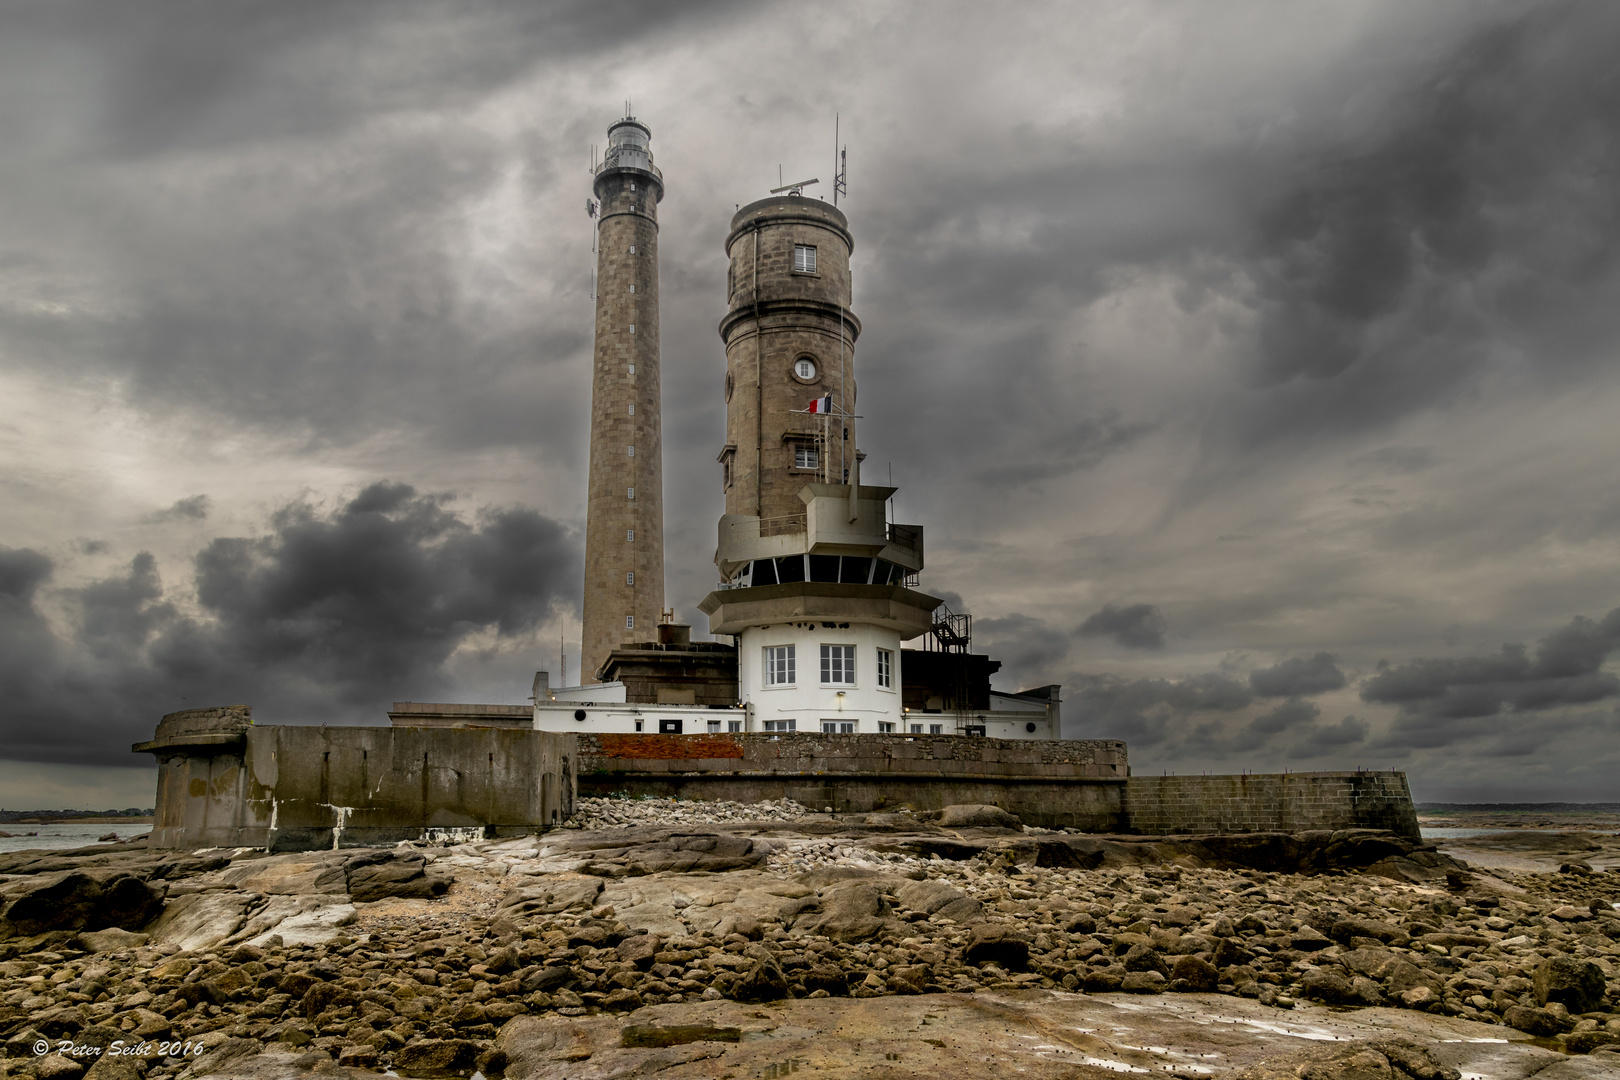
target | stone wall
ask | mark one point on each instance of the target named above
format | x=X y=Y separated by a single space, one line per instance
x=286 y=788
x=1083 y=784
x=1293 y=802
x=1071 y=783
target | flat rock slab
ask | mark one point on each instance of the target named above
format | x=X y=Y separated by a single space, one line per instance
x=1031 y=1034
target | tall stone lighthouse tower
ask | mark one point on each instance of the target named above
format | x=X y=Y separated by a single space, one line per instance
x=814 y=578
x=624 y=524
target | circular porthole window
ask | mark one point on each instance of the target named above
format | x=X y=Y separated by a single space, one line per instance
x=1030 y=728
x=804 y=368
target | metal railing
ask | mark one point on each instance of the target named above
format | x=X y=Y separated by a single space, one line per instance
x=783 y=525
x=610 y=159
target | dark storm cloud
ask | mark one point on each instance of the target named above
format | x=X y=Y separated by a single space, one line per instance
x=1288 y=714
x=219 y=189
x=1135 y=626
x=1325 y=739
x=1442 y=700
x=1298 y=677
x=1026 y=646
x=183 y=74
x=1146 y=711
x=328 y=617
x=1486 y=203
x=1082 y=445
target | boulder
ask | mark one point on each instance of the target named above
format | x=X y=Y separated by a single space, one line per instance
x=850 y=911
x=938 y=898
x=1577 y=984
x=639 y=950
x=978 y=815
x=1329 y=987
x=436 y=1057
x=764 y=982
x=1144 y=957
x=1537 y=1022
x=1142 y=982
x=826 y=977
x=383 y=875
x=992 y=943
x=77 y=900
x=1192 y=974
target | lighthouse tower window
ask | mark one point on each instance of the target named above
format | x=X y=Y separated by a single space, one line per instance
x=804 y=259
x=806 y=457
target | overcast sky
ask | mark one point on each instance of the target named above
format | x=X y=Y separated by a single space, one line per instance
x=1251 y=365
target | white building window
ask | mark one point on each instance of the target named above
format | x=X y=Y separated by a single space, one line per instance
x=629 y=622
x=714 y=726
x=916 y=729
x=780 y=725
x=885 y=669
x=936 y=729
x=733 y=725
x=838 y=727
x=804 y=259
x=780 y=665
x=885 y=727
x=838 y=665
x=805 y=457
x=638 y=724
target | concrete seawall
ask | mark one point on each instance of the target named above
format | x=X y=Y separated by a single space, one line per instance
x=224 y=782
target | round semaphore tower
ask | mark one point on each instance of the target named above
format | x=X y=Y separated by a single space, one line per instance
x=624 y=524
x=814 y=578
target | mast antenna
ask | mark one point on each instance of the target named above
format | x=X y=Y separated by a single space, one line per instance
x=840 y=165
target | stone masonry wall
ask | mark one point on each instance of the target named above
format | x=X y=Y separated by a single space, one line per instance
x=791 y=315
x=1071 y=783
x=1293 y=802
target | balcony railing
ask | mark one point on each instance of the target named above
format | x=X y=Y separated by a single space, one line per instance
x=610 y=160
x=906 y=536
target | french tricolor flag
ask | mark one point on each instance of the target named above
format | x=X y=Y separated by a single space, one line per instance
x=822 y=404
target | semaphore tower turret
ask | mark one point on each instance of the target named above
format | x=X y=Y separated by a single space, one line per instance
x=624 y=525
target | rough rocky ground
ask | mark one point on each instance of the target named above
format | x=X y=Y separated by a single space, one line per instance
x=688 y=940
